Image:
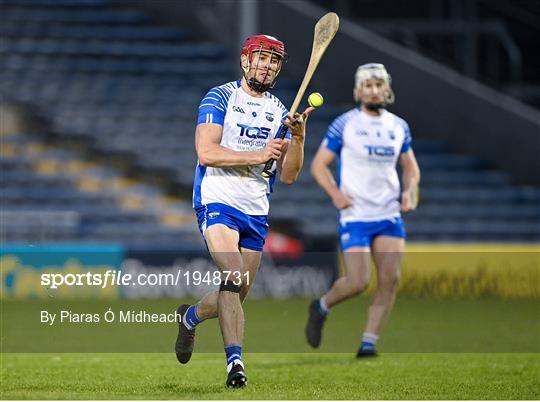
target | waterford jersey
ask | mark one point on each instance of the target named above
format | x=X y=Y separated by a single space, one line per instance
x=249 y=123
x=368 y=148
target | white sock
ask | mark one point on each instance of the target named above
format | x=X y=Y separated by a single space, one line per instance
x=322 y=304
x=370 y=337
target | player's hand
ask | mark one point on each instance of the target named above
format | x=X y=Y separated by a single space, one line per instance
x=272 y=150
x=341 y=200
x=297 y=123
x=409 y=199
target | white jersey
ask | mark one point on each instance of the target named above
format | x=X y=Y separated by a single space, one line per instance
x=249 y=123
x=368 y=148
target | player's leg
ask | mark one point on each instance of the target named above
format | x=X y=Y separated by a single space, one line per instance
x=207 y=308
x=388 y=254
x=222 y=238
x=252 y=262
x=236 y=376
x=249 y=233
x=253 y=234
x=223 y=246
x=357 y=260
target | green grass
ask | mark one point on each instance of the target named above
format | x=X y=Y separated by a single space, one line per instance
x=271 y=376
x=432 y=349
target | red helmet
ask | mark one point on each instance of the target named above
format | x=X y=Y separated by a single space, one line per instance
x=263 y=43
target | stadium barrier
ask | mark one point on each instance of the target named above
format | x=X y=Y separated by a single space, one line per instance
x=442 y=271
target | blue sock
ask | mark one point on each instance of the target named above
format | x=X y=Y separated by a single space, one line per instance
x=233 y=352
x=367 y=346
x=369 y=341
x=190 y=317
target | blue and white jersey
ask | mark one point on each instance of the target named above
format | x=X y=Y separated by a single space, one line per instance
x=368 y=148
x=249 y=123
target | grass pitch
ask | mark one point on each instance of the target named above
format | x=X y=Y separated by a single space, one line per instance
x=431 y=349
x=272 y=376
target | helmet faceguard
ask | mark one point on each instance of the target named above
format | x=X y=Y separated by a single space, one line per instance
x=374 y=71
x=261 y=44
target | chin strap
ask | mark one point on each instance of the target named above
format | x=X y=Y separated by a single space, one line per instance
x=259 y=86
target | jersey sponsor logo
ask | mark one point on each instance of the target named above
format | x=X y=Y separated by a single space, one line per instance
x=379 y=150
x=253 y=132
x=269 y=116
x=361 y=132
x=238 y=109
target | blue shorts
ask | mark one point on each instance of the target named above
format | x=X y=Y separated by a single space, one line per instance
x=251 y=228
x=361 y=234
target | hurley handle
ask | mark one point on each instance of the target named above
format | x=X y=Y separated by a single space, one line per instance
x=267 y=172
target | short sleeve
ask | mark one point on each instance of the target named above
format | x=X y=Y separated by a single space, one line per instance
x=407 y=140
x=333 y=139
x=213 y=107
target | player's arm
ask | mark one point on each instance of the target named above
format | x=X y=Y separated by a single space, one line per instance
x=320 y=170
x=210 y=152
x=411 y=181
x=293 y=158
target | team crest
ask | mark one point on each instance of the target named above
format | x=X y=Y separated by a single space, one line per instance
x=269 y=116
x=392 y=134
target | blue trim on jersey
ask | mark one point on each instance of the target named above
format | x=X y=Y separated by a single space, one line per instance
x=200 y=171
x=333 y=139
x=362 y=234
x=213 y=106
x=287 y=134
x=283 y=116
x=408 y=138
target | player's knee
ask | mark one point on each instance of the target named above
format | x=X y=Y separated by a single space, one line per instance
x=390 y=281
x=230 y=286
x=357 y=287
